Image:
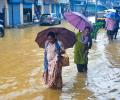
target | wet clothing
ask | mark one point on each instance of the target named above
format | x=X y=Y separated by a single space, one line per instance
x=110 y=32
x=82 y=67
x=116 y=25
x=52 y=67
x=80 y=56
x=85 y=39
x=116 y=32
x=110 y=26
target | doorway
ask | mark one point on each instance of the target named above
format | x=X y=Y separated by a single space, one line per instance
x=27 y=15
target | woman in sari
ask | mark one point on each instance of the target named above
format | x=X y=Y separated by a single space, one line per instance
x=83 y=44
x=52 y=65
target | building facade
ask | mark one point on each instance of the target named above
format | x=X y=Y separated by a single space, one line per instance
x=110 y=3
x=78 y=5
x=53 y=6
x=2 y=5
x=87 y=7
x=19 y=12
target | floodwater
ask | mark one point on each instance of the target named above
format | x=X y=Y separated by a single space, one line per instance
x=21 y=67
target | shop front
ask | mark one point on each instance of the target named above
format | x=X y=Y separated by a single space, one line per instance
x=27 y=13
x=28 y=10
x=20 y=12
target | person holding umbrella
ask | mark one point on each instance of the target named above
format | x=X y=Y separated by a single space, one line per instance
x=110 y=24
x=53 y=50
x=82 y=46
x=84 y=39
x=54 y=41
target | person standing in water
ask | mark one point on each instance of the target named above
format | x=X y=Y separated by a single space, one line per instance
x=110 y=27
x=83 y=44
x=52 y=67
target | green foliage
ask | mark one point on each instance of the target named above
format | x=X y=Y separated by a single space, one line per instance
x=96 y=27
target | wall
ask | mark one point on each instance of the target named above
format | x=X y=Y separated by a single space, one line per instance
x=1 y=5
x=46 y=8
x=13 y=11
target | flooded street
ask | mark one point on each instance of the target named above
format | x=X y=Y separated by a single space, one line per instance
x=21 y=67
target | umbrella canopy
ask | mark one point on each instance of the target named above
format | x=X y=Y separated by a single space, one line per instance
x=110 y=10
x=66 y=36
x=78 y=20
x=112 y=15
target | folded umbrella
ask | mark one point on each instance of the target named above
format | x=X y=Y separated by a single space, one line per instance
x=78 y=20
x=66 y=36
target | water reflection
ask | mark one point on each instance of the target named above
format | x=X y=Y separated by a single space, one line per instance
x=79 y=87
x=113 y=53
x=103 y=80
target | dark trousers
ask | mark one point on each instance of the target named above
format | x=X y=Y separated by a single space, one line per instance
x=110 y=34
x=82 y=67
x=115 y=32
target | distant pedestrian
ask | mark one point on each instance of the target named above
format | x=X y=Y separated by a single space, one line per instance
x=117 y=24
x=110 y=26
x=83 y=44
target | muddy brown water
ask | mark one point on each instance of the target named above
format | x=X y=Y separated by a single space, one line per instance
x=21 y=67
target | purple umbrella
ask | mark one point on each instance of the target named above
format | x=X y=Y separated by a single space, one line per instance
x=78 y=20
x=66 y=36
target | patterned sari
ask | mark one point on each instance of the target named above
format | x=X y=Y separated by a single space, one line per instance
x=53 y=69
